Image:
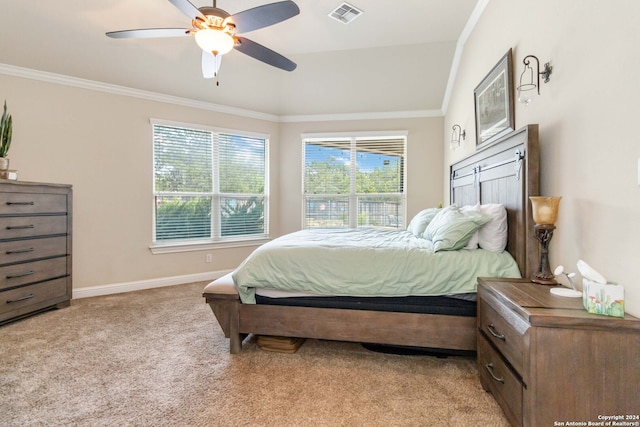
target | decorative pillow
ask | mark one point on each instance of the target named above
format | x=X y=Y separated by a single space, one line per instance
x=419 y=222
x=452 y=228
x=493 y=235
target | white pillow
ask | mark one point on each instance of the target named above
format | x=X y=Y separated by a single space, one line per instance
x=419 y=222
x=475 y=238
x=493 y=235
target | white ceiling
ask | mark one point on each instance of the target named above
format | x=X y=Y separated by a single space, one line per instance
x=395 y=57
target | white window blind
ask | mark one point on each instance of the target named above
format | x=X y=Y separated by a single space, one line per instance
x=208 y=185
x=354 y=181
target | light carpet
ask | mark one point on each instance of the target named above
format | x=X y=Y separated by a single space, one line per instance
x=158 y=358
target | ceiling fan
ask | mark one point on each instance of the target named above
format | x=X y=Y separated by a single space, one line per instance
x=216 y=31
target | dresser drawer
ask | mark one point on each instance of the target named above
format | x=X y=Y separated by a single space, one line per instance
x=19 y=300
x=28 y=226
x=24 y=250
x=30 y=272
x=505 y=330
x=497 y=378
x=31 y=203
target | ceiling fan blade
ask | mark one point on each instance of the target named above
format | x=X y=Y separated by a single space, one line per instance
x=188 y=9
x=210 y=64
x=263 y=16
x=149 y=33
x=264 y=54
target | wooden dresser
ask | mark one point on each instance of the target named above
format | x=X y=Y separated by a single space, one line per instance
x=35 y=247
x=548 y=362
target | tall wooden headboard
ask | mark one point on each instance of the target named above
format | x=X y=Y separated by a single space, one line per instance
x=507 y=172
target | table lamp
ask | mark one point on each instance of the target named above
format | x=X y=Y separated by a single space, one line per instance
x=545 y=212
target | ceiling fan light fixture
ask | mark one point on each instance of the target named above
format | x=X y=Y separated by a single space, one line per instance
x=214 y=41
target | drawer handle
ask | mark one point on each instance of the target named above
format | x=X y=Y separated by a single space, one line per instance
x=492 y=331
x=20 y=203
x=20 y=227
x=9 y=301
x=15 y=276
x=20 y=251
x=489 y=368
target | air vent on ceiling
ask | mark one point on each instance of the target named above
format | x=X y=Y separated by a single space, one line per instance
x=345 y=13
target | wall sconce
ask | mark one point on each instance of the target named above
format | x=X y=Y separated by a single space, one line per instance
x=456 y=133
x=545 y=213
x=527 y=83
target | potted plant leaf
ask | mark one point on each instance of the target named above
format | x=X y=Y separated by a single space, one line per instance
x=6 y=130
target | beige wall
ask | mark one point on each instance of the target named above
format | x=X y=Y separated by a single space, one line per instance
x=587 y=115
x=101 y=144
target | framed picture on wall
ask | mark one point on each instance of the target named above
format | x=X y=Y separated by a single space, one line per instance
x=494 y=103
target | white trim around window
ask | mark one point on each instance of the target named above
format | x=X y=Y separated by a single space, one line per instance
x=226 y=197
x=354 y=179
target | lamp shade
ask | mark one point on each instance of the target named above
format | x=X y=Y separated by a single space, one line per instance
x=545 y=209
x=214 y=41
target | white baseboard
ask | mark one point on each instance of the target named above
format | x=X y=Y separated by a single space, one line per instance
x=116 y=288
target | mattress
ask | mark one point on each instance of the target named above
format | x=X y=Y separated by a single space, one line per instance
x=443 y=305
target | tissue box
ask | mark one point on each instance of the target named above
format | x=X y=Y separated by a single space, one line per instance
x=603 y=299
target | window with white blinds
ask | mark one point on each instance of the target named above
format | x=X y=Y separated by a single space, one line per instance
x=208 y=185
x=356 y=181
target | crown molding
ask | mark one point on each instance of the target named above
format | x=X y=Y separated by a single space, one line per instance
x=60 y=79
x=362 y=116
x=464 y=36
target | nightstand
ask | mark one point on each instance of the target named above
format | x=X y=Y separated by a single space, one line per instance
x=548 y=362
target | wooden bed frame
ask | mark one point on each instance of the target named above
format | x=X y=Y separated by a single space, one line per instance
x=504 y=172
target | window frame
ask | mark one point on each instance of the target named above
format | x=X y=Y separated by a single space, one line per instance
x=352 y=196
x=215 y=241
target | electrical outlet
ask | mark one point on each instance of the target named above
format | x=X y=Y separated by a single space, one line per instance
x=208 y=258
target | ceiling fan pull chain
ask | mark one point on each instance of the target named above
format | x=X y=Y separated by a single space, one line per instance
x=217 y=66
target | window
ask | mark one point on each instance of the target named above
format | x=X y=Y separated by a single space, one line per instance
x=354 y=181
x=209 y=185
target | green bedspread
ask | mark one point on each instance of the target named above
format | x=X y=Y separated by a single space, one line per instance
x=365 y=262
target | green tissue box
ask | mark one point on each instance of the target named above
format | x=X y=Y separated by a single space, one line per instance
x=607 y=300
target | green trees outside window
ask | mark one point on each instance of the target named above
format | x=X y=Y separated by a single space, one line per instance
x=208 y=185
x=354 y=182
